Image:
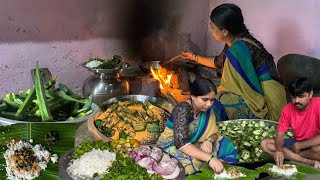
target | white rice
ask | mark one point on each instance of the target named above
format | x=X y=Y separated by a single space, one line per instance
x=42 y=158
x=285 y=172
x=93 y=64
x=95 y=161
x=226 y=175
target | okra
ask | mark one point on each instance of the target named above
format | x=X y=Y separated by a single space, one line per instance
x=75 y=107
x=87 y=106
x=70 y=98
x=65 y=89
x=41 y=97
x=9 y=100
x=3 y=106
x=51 y=83
x=26 y=104
x=9 y=115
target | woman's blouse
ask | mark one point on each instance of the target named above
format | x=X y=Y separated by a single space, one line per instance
x=181 y=114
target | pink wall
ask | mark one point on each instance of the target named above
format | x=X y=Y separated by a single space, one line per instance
x=62 y=34
x=284 y=27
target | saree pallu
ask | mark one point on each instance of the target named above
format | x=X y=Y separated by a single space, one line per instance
x=199 y=130
x=248 y=93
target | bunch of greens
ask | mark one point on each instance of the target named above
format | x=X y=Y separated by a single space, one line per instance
x=124 y=168
x=109 y=63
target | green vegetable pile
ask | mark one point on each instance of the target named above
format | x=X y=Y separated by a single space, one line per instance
x=109 y=63
x=122 y=168
x=45 y=103
x=247 y=135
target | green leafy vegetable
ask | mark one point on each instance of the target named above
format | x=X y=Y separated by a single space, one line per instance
x=122 y=168
x=109 y=63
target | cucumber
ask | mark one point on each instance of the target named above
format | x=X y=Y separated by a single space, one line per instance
x=139 y=127
x=153 y=127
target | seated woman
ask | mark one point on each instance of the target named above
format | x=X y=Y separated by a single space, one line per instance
x=191 y=134
x=249 y=86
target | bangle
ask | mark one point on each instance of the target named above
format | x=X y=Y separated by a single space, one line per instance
x=210 y=140
x=195 y=57
x=209 y=160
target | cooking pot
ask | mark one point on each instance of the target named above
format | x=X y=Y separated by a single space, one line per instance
x=145 y=67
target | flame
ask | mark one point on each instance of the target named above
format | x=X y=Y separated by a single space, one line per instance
x=161 y=77
x=154 y=74
x=167 y=81
x=164 y=77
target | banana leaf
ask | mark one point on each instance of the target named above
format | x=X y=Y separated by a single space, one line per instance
x=208 y=174
x=37 y=132
x=303 y=171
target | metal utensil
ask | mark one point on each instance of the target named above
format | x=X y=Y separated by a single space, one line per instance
x=170 y=60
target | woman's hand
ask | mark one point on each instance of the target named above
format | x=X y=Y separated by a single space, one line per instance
x=207 y=146
x=188 y=55
x=216 y=165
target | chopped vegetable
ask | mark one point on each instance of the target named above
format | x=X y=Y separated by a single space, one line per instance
x=122 y=169
x=246 y=136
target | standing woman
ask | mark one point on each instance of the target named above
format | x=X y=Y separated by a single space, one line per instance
x=191 y=134
x=249 y=85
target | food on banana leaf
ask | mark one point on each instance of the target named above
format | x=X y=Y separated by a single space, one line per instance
x=101 y=161
x=247 y=135
x=45 y=103
x=139 y=120
x=25 y=161
x=301 y=172
x=109 y=63
x=207 y=173
x=285 y=169
x=230 y=173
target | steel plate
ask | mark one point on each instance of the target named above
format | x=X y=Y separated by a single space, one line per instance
x=65 y=160
x=94 y=107
x=142 y=98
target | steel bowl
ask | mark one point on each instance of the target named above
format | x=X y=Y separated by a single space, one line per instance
x=145 y=67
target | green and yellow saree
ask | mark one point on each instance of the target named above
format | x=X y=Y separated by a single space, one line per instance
x=247 y=92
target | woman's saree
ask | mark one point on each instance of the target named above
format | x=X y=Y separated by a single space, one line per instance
x=199 y=129
x=245 y=92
